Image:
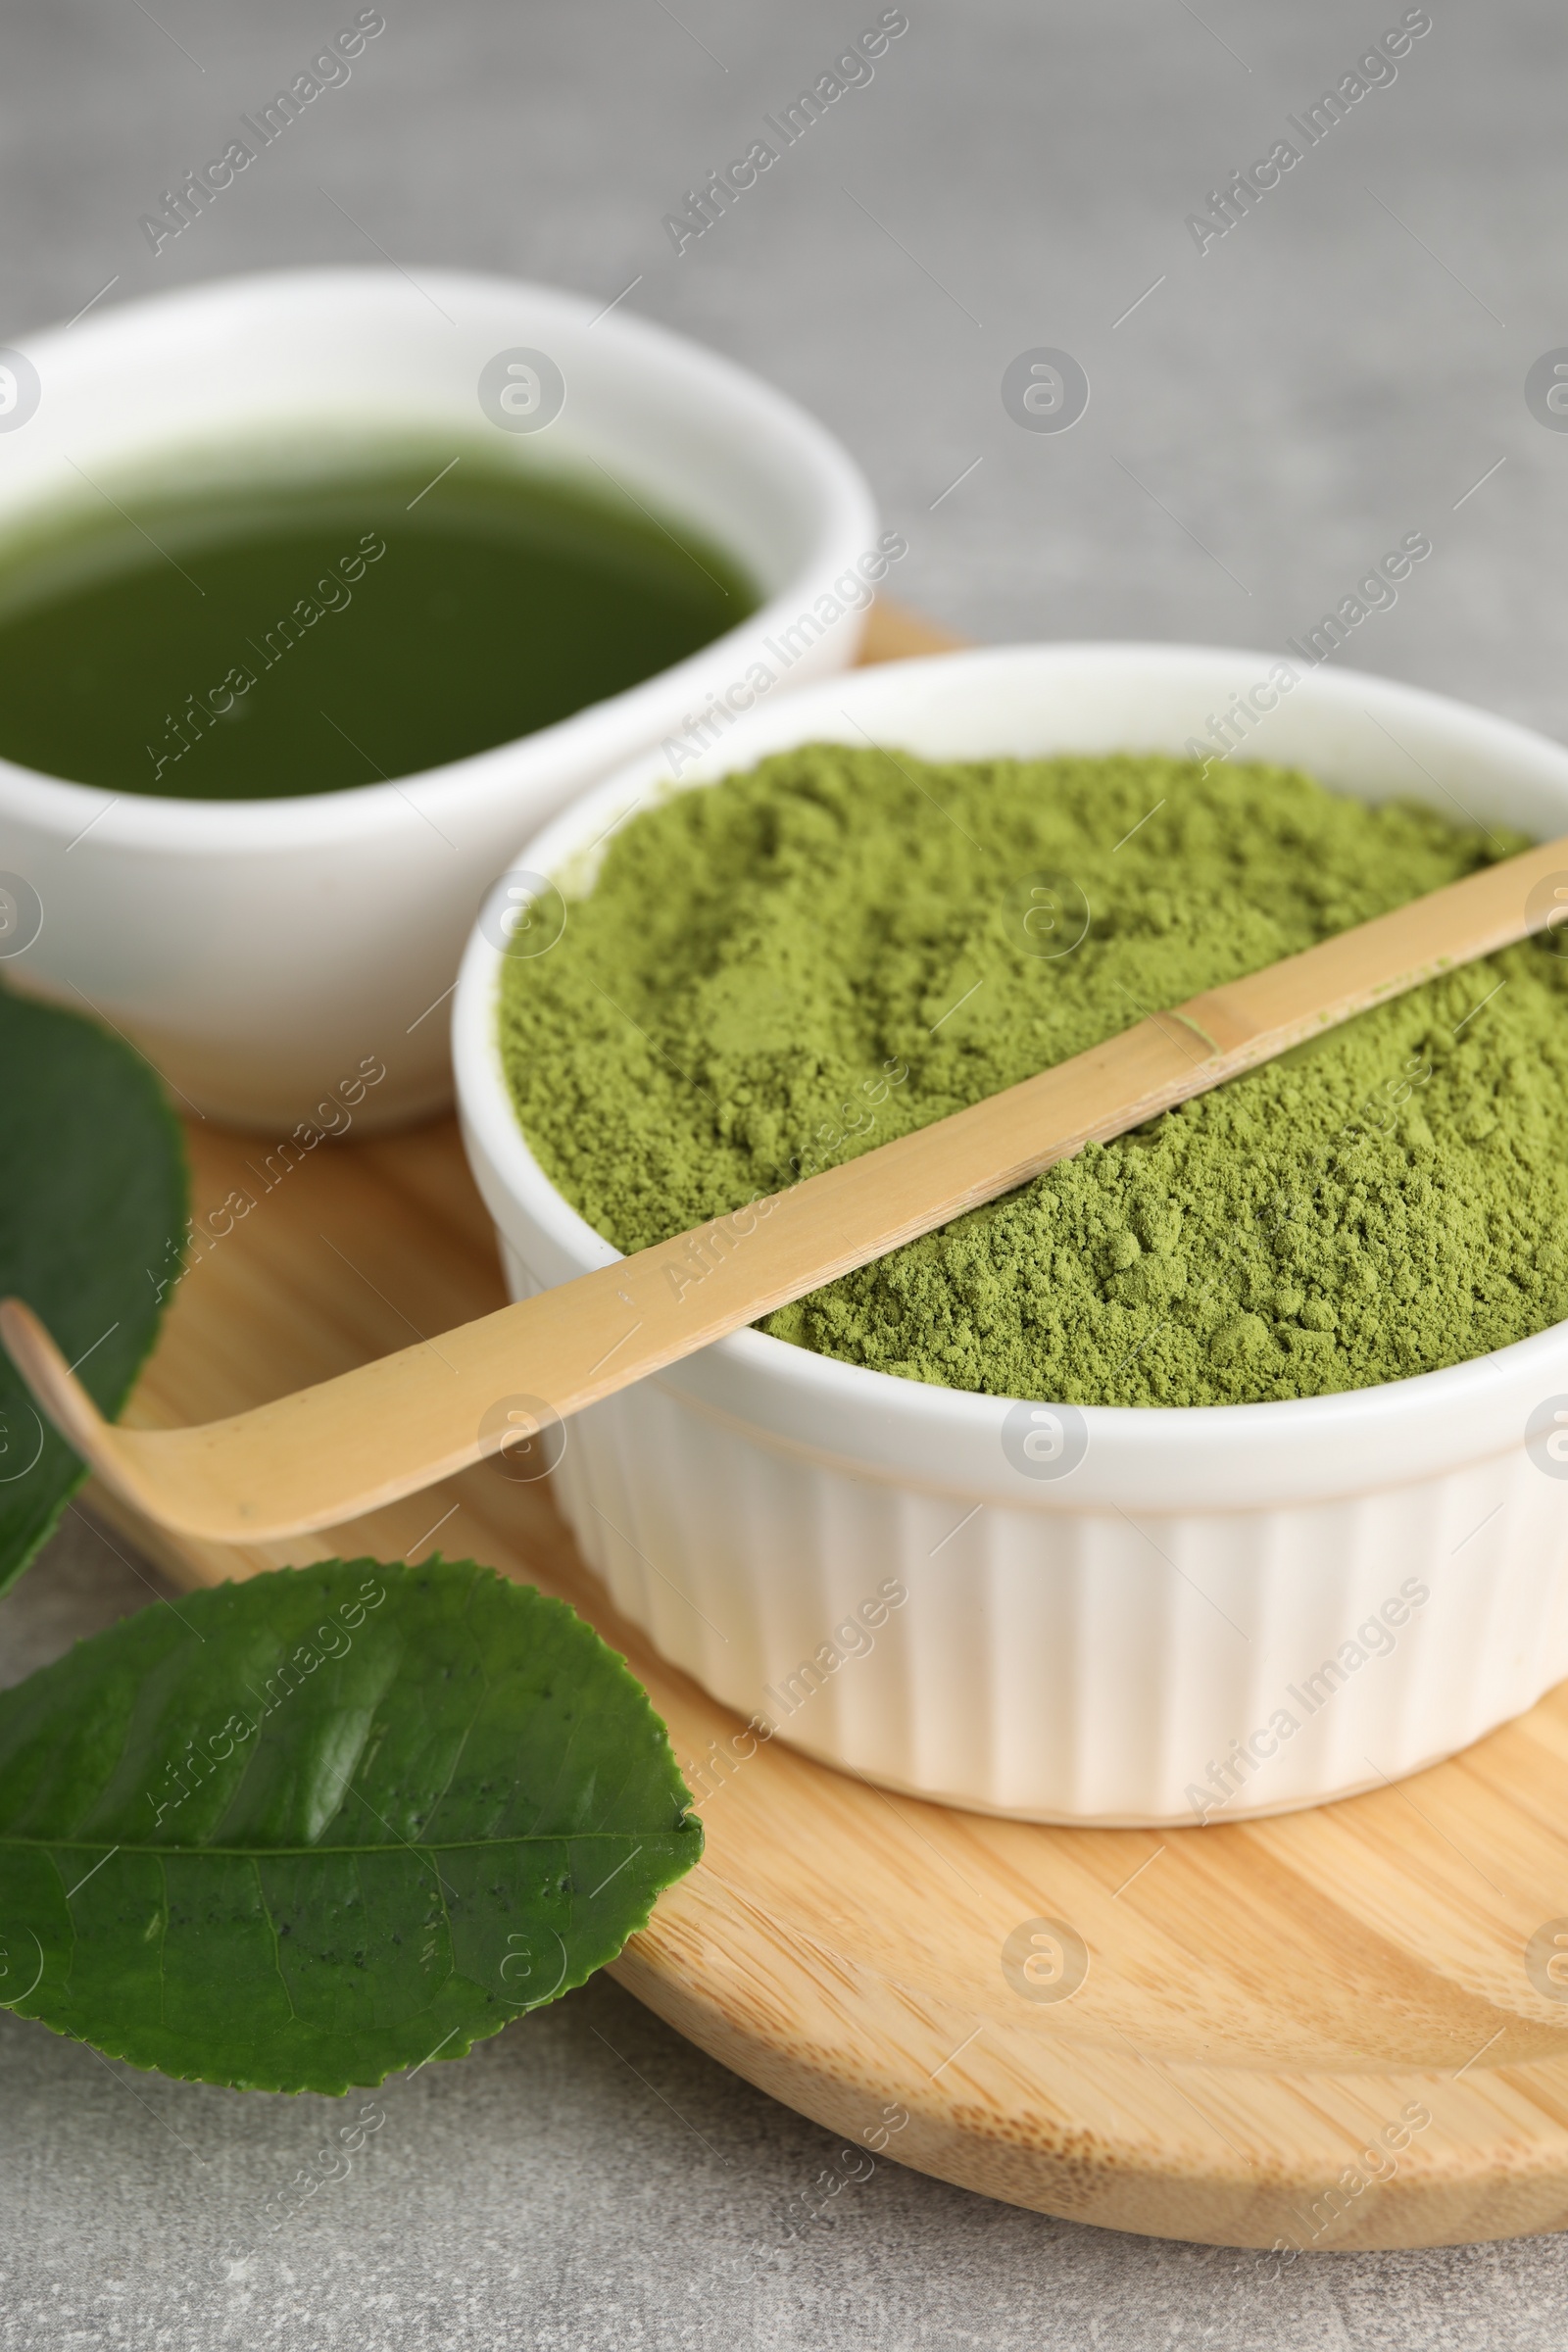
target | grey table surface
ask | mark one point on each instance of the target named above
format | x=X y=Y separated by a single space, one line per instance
x=1267 y=416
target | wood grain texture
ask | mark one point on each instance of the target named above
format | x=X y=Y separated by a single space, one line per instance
x=1262 y=2000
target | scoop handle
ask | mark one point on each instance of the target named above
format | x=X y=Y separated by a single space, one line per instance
x=330 y=1452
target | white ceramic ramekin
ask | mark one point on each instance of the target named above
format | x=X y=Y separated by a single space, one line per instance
x=1387 y=1568
x=260 y=951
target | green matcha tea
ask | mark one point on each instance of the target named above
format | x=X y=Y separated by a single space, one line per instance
x=783 y=970
x=266 y=636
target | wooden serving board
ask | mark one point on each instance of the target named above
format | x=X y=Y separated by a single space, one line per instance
x=1264 y=2002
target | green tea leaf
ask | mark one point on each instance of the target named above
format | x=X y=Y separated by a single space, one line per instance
x=93 y=1217
x=300 y=1833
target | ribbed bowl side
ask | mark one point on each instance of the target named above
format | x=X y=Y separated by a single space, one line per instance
x=1073 y=1666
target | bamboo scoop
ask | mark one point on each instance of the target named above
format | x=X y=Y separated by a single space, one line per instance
x=329 y=1453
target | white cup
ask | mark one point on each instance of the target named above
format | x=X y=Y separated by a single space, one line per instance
x=263 y=952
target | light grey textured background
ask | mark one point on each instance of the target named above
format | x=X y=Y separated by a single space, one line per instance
x=1339 y=370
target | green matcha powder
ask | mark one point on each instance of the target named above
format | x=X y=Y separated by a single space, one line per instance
x=776 y=973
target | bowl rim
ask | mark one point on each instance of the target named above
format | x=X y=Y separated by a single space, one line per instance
x=826 y=484
x=1482 y=1389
